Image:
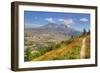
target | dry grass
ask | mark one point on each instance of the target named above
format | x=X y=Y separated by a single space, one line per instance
x=62 y=51
x=88 y=46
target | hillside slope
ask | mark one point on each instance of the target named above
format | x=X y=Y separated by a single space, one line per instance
x=68 y=50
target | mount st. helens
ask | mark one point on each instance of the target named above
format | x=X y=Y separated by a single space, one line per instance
x=51 y=32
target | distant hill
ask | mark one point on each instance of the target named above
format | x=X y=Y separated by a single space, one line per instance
x=62 y=28
x=51 y=32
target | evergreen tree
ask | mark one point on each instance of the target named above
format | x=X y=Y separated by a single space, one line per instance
x=84 y=32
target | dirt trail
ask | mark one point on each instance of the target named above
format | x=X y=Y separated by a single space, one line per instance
x=82 y=52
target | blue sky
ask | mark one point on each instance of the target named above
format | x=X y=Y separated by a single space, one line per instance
x=78 y=21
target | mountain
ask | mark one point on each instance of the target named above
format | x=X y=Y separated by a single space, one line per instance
x=51 y=32
x=54 y=26
x=62 y=28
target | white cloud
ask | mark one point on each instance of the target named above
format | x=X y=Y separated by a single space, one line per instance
x=61 y=19
x=67 y=22
x=50 y=20
x=83 y=19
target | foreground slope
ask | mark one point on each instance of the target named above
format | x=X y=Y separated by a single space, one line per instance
x=68 y=50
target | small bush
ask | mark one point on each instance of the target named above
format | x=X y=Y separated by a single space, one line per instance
x=72 y=54
x=58 y=46
x=27 y=54
x=35 y=54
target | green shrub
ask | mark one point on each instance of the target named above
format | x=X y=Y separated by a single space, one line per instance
x=27 y=54
x=72 y=54
x=35 y=54
x=58 y=46
x=43 y=50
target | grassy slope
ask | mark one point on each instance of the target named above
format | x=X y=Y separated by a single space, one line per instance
x=67 y=51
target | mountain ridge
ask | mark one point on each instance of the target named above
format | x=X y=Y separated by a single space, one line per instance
x=54 y=27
